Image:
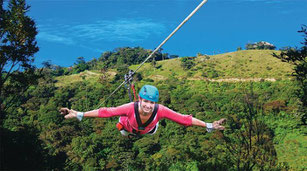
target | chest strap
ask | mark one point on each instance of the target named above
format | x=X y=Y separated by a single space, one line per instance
x=142 y=126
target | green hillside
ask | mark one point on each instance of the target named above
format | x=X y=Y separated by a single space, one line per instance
x=246 y=65
x=240 y=64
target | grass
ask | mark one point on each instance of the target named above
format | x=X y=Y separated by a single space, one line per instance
x=89 y=76
x=293 y=150
x=239 y=64
x=249 y=64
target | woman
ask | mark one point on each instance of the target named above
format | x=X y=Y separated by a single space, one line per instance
x=143 y=117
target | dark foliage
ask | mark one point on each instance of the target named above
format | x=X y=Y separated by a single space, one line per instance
x=17 y=48
x=129 y=56
x=298 y=58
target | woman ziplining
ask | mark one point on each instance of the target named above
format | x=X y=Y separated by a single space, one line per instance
x=143 y=116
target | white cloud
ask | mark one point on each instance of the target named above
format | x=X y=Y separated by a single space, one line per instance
x=130 y=30
x=119 y=30
x=54 y=38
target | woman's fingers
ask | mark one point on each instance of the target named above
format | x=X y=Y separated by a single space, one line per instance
x=220 y=127
x=69 y=116
x=217 y=124
x=64 y=111
x=69 y=113
x=221 y=121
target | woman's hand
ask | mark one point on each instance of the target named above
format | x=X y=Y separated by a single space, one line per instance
x=218 y=124
x=69 y=113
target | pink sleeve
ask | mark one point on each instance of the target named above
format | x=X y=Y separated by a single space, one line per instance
x=122 y=110
x=181 y=119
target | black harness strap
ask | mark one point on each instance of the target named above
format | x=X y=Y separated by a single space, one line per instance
x=142 y=126
x=153 y=130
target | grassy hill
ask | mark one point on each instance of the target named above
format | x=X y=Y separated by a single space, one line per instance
x=234 y=66
x=240 y=64
x=90 y=76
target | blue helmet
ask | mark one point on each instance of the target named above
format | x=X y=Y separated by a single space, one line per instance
x=150 y=93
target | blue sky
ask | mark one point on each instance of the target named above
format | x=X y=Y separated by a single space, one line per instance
x=69 y=29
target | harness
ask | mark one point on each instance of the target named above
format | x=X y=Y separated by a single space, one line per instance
x=129 y=84
x=142 y=126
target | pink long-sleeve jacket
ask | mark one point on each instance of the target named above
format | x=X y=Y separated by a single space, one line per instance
x=128 y=119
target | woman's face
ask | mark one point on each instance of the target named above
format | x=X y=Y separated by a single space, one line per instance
x=147 y=106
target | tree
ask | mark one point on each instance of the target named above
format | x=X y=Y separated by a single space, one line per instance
x=249 y=141
x=129 y=56
x=80 y=66
x=298 y=58
x=17 y=49
x=18 y=43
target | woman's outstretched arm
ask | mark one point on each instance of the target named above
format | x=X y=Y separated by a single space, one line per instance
x=215 y=125
x=189 y=120
x=70 y=113
x=104 y=112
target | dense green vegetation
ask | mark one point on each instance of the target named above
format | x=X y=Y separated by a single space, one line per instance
x=266 y=127
x=263 y=131
x=261 y=124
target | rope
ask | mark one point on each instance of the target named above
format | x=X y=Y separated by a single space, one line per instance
x=153 y=52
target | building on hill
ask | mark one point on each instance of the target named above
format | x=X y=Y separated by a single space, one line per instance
x=262 y=45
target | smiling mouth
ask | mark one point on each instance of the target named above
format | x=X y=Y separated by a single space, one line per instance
x=146 y=109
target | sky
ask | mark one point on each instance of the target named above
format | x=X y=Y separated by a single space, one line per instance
x=69 y=29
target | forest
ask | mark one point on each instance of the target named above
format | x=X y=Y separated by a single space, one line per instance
x=266 y=119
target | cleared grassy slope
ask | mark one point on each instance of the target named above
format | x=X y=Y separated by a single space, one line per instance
x=247 y=64
x=240 y=64
x=251 y=64
x=89 y=76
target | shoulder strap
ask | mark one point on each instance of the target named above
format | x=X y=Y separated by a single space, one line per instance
x=138 y=119
x=137 y=114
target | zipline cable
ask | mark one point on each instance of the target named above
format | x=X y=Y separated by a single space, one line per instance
x=153 y=52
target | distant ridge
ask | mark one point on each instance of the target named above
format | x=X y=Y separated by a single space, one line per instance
x=245 y=65
x=239 y=66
